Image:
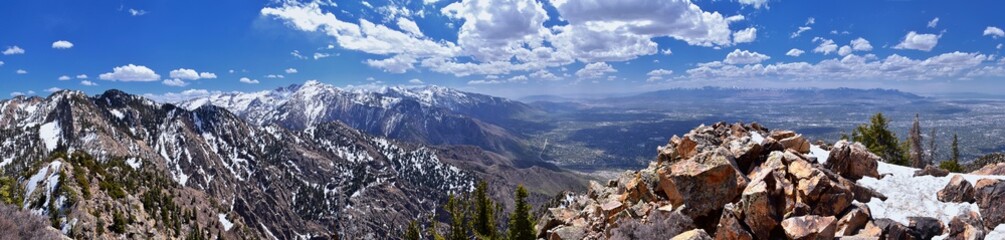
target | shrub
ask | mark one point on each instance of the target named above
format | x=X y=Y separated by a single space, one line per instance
x=18 y=224
x=661 y=226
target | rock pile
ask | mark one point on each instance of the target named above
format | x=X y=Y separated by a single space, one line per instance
x=727 y=181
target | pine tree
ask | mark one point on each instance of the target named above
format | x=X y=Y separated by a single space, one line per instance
x=432 y=228
x=412 y=233
x=484 y=218
x=933 y=149
x=877 y=137
x=953 y=164
x=521 y=223
x=916 y=151
x=956 y=149
x=458 y=226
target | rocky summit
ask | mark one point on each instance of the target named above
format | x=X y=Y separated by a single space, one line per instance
x=738 y=181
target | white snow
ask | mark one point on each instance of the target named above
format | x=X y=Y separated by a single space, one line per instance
x=6 y=161
x=135 y=163
x=117 y=113
x=227 y=224
x=756 y=137
x=48 y=174
x=821 y=154
x=50 y=135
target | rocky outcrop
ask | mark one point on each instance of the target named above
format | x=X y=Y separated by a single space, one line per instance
x=726 y=184
x=925 y=227
x=957 y=190
x=933 y=171
x=852 y=161
x=696 y=234
x=809 y=227
x=967 y=226
x=990 y=194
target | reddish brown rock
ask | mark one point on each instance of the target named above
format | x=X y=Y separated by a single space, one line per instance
x=797 y=143
x=967 y=226
x=729 y=227
x=763 y=200
x=687 y=148
x=696 y=234
x=990 y=195
x=809 y=227
x=853 y=220
x=957 y=190
x=852 y=161
x=824 y=196
x=635 y=190
x=702 y=184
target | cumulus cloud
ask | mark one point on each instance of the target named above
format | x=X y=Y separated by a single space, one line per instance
x=82 y=76
x=415 y=81
x=62 y=44
x=545 y=75
x=131 y=73
x=174 y=82
x=137 y=12
x=755 y=3
x=805 y=27
x=88 y=83
x=658 y=74
x=826 y=46
x=994 y=32
x=738 y=57
x=915 y=41
x=409 y=26
x=954 y=65
x=933 y=23
x=248 y=80
x=844 y=50
x=396 y=64
x=795 y=52
x=291 y=70
x=745 y=36
x=174 y=97
x=53 y=89
x=64 y=78
x=860 y=44
x=275 y=76
x=595 y=70
x=190 y=74
x=13 y=50
x=21 y=71
x=1 y=63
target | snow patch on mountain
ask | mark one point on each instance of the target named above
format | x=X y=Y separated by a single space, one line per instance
x=50 y=134
x=227 y=224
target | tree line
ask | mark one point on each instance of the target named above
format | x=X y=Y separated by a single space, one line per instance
x=474 y=216
x=878 y=138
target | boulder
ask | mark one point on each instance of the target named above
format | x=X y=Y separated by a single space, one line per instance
x=687 y=148
x=958 y=190
x=702 y=184
x=825 y=196
x=809 y=227
x=729 y=227
x=567 y=233
x=931 y=171
x=781 y=134
x=612 y=209
x=966 y=226
x=870 y=230
x=854 y=219
x=763 y=201
x=852 y=161
x=797 y=143
x=925 y=227
x=635 y=190
x=696 y=234
x=990 y=194
x=893 y=230
x=991 y=169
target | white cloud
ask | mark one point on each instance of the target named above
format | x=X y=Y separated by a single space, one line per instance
x=915 y=41
x=130 y=73
x=666 y=52
x=738 y=57
x=994 y=32
x=21 y=71
x=1 y=63
x=207 y=75
x=409 y=26
x=947 y=66
x=62 y=44
x=755 y=3
x=545 y=75
x=296 y=54
x=860 y=44
x=275 y=76
x=88 y=83
x=810 y=21
x=595 y=70
x=658 y=74
x=795 y=52
x=64 y=78
x=415 y=81
x=745 y=36
x=137 y=12
x=800 y=31
x=82 y=76
x=318 y=55
x=396 y=64
x=53 y=89
x=933 y=23
x=248 y=80
x=174 y=82
x=12 y=50
x=484 y=82
x=291 y=70
x=173 y=97
x=826 y=46
x=844 y=50
x=184 y=73
x=429 y=1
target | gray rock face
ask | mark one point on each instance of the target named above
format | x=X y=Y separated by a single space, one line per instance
x=957 y=190
x=852 y=161
x=990 y=194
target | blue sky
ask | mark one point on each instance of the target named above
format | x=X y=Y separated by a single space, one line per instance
x=504 y=47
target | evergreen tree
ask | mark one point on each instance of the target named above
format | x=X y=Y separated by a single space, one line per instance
x=877 y=137
x=432 y=228
x=521 y=223
x=484 y=224
x=953 y=164
x=933 y=149
x=412 y=233
x=458 y=226
x=956 y=149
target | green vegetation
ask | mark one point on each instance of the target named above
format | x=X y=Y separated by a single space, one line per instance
x=10 y=191
x=473 y=216
x=118 y=223
x=953 y=164
x=877 y=136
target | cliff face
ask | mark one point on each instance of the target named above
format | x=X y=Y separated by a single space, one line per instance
x=736 y=181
